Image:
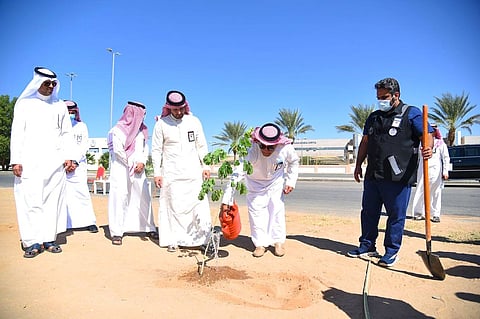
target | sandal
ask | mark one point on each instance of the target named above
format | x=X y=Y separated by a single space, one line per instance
x=116 y=240
x=32 y=251
x=92 y=228
x=153 y=235
x=52 y=247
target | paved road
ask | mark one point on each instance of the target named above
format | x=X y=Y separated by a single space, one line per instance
x=339 y=194
x=6 y=179
x=343 y=198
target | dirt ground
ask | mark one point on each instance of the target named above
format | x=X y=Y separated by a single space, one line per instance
x=94 y=279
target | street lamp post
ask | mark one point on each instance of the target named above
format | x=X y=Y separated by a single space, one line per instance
x=113 y=80
x=71 y=75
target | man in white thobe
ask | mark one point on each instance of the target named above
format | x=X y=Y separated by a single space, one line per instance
x=438 y=166
x=275 y=173
x=129 y=199
x=80 y=213
x=40 y=153
x=178 y=149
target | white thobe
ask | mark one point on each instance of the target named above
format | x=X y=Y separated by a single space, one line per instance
x=178 y=149
x=437 y=167
x=41 y=142
x=265 y=197
x=80 y=211
x=129 y=199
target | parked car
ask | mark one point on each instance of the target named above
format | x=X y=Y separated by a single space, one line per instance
x=465 y=160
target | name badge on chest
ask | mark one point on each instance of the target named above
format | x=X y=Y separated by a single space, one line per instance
x=394 y=128
x=191 y=136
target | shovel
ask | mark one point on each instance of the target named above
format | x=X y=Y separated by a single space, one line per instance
x=432 y=261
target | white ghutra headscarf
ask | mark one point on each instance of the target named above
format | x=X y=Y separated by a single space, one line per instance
x=40 y=75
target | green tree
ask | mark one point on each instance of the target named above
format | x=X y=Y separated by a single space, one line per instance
x=6 y=117
x=231 y=134
x=90 y=158
x=105 y=160
x=358 y=116
x=452 y=114
x=291 y=121
x=4 y=152
x=149 y=166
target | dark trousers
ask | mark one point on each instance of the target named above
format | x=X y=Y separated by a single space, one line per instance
x=394 y=196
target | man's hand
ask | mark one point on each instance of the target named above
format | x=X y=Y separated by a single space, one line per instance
x=75 y=165
x=69 y=166
x=139 y=168
x=224 y=208
x=17 y=170
x=158 y=180
x=206 y=174
x=357 y=174
x=287 y=189
x=427 y=152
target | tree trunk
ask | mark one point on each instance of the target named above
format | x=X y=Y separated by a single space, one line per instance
x=451 y=137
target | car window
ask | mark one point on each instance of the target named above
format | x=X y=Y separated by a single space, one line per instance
x=456 y=152
x=465 y=160
x=472 y=151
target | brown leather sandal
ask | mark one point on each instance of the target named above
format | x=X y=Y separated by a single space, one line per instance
x=116 y=240
x=32 y=251
x=52 y=247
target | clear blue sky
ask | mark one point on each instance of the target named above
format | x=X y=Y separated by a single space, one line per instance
x=244 y=60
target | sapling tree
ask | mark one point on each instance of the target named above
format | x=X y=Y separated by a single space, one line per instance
x=219 y=157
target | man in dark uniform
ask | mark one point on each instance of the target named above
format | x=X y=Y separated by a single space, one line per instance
x=391 y=139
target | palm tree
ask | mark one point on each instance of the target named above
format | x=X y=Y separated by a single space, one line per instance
x=451 y=112
x=105 y=160
x=231 y=134
x=292 y=122
x=90 y=158
x=358 y=116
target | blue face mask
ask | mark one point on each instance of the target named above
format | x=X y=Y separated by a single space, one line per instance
x=384 y=105
x=72 y=116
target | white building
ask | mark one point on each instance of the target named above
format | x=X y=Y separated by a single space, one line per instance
x=470 y=140
x=324 y=151
x=98 y=146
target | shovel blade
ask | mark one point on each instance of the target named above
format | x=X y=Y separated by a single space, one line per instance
x=433 y=264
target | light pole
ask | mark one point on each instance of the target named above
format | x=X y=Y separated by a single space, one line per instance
x=113 y=80
x=71 y=75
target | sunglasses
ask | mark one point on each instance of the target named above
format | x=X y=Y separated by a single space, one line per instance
x=48 y=83
x=268 y=147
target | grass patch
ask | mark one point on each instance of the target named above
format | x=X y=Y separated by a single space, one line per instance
x=464 y=237
x=457 y=232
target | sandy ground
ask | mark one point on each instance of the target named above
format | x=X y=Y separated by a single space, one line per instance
x=94 y=279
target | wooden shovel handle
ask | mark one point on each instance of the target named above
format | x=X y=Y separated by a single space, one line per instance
x=426 y=182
